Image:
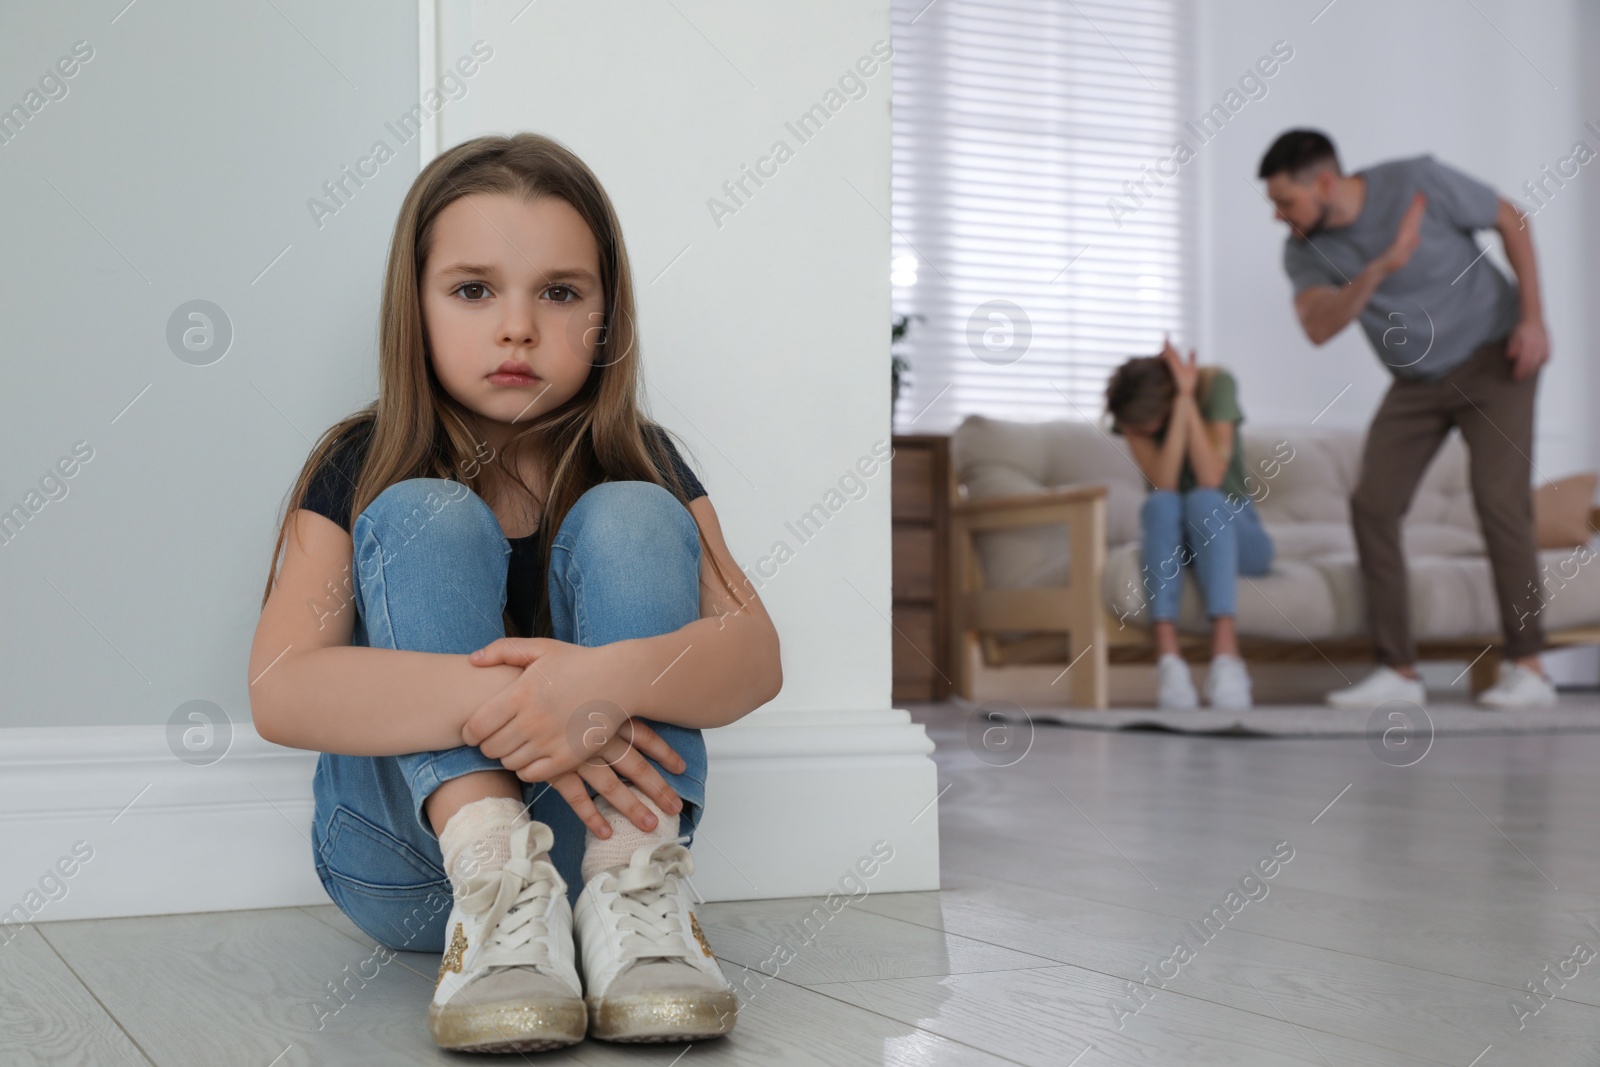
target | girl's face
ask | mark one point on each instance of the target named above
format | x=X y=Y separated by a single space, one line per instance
x=512 y=304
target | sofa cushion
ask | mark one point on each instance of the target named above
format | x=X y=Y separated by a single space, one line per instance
x=1309 y=540
x=998 y=459
x=1313 y=540
x=994 y=458
x=1301 y=474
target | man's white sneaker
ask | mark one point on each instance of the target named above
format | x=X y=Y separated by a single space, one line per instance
x=1518 y=687
x=1380 y=687
x=1228 y=684
x=508 y=982
x=1174 y=687
x=648 y=972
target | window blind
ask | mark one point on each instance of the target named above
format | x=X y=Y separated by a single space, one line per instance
x=1039 y=211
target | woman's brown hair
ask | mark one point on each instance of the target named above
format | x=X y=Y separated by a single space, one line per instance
x=418 y=430
x=1142 y=390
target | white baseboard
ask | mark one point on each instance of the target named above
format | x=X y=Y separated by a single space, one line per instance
x=794 y=801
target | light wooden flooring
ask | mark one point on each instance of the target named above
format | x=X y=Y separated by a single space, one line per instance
x=1414 y=910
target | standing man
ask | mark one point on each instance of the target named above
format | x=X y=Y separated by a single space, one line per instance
x=1393 y=246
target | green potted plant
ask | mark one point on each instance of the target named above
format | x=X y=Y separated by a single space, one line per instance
x=898 y=364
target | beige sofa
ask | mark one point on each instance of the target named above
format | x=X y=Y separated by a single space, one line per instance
x=1021 y=489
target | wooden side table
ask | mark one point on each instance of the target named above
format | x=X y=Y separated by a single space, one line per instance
x=920 y=509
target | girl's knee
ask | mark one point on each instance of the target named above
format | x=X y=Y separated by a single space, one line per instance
x=429 y=509
x=421 y=512
x=631 y=516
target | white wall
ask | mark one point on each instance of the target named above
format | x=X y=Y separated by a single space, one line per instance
x=1386 y=80
x=177 y=167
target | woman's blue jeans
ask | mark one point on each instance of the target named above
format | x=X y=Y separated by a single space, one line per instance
x=430 y=565
x=1220 y=537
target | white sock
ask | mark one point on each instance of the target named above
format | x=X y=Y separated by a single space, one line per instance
x=476 y=838
x=601 y=853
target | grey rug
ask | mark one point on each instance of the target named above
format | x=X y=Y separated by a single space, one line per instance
x=1576 y=713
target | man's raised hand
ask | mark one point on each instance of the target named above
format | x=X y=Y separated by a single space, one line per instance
x=1407 y=236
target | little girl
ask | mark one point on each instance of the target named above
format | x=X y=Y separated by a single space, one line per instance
x=506 y=590
x=1181 y=421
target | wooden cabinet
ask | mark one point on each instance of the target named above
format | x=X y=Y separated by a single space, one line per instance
x=920 y=507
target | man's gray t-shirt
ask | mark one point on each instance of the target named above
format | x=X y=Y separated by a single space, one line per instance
x=1426 y=318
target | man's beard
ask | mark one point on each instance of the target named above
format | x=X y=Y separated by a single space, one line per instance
x=1321 y=223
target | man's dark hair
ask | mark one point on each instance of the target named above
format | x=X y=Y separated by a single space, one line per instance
x=1296 y=152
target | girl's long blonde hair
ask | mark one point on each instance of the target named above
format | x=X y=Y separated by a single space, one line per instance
x=418 y=430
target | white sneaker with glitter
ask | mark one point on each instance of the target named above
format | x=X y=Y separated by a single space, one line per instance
x=508 y=980
x=648 y=972
x=1518 y=687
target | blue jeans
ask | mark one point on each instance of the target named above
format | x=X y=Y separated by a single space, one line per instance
x=430 y=566
x=1220 y=537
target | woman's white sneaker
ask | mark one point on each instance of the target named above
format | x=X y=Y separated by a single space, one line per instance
x=1174 y=686
x=508 y=982
x=649 y=974
x=1228 y=684
x=1380 y=687
x=1518 y=687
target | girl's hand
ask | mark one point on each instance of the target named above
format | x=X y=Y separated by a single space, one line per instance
x=542 y=729
x=620 y=756
x=545 y=714
x=1184 y=372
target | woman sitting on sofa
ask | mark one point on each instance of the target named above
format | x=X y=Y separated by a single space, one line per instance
x=1181 y=422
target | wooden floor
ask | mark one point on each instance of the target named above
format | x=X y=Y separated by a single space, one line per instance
x=1418 y=904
